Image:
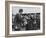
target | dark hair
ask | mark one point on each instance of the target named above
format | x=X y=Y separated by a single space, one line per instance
x=20 y=10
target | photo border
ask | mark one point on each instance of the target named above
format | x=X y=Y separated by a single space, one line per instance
x=7 y=18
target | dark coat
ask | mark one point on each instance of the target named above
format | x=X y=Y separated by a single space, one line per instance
x=18 y=19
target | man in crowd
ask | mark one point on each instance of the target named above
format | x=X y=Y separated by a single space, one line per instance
x=18 y=20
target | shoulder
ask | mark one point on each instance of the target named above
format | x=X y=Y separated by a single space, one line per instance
x=16 y=15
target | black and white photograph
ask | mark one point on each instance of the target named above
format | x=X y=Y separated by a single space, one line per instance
x=25 y=18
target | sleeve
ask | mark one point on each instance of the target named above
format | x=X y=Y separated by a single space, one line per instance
x=15 y=19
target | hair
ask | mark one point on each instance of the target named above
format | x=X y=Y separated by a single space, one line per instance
x=20 y=10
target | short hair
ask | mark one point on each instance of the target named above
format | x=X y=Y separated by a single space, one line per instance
x=20 y=10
